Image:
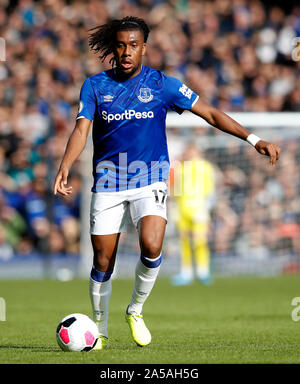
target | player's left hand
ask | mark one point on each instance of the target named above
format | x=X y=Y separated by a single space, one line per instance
x=268 y=149
x=60 y=183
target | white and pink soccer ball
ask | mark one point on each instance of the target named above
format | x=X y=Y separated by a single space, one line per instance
x=77 y=332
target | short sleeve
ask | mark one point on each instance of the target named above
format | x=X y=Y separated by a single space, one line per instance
x=178 y=96
x=87 y=103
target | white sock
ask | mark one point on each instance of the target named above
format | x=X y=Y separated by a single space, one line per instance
x=202 y=271
x=145 y=277
x=187 y=272
x=100 y=293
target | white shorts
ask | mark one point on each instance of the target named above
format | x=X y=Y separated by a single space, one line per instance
x=112 y=212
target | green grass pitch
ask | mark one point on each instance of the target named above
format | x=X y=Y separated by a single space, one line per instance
x=236 y=320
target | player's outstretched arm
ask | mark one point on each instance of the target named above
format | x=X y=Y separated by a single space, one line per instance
x=75 y=146
x=226 y=124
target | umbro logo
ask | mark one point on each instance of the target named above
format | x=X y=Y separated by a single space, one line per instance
x=108 y=98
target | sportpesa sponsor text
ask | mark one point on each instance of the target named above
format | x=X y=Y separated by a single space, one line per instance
x=127 y=115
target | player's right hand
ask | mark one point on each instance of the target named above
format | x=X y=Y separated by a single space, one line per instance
x=60 y=183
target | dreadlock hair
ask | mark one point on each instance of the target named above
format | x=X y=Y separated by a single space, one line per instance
x=104 y=36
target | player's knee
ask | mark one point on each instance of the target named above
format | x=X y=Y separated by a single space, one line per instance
x=101 y=260
x=151 y=247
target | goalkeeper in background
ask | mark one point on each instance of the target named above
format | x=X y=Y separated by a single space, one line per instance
x=194 y=192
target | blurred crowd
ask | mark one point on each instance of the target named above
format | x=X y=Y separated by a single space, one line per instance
x=235 y=54
x=257 y=211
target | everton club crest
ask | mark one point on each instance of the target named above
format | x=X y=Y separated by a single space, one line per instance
x=145 y=95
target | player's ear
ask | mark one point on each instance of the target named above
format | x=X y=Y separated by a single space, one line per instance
x=144 y=49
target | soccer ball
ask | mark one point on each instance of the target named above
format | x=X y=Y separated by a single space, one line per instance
x=76 y=333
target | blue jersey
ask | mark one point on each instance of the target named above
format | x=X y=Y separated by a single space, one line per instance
x=129 y=126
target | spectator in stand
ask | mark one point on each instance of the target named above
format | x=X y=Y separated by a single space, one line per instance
x=12 y=224
x=6 y=249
